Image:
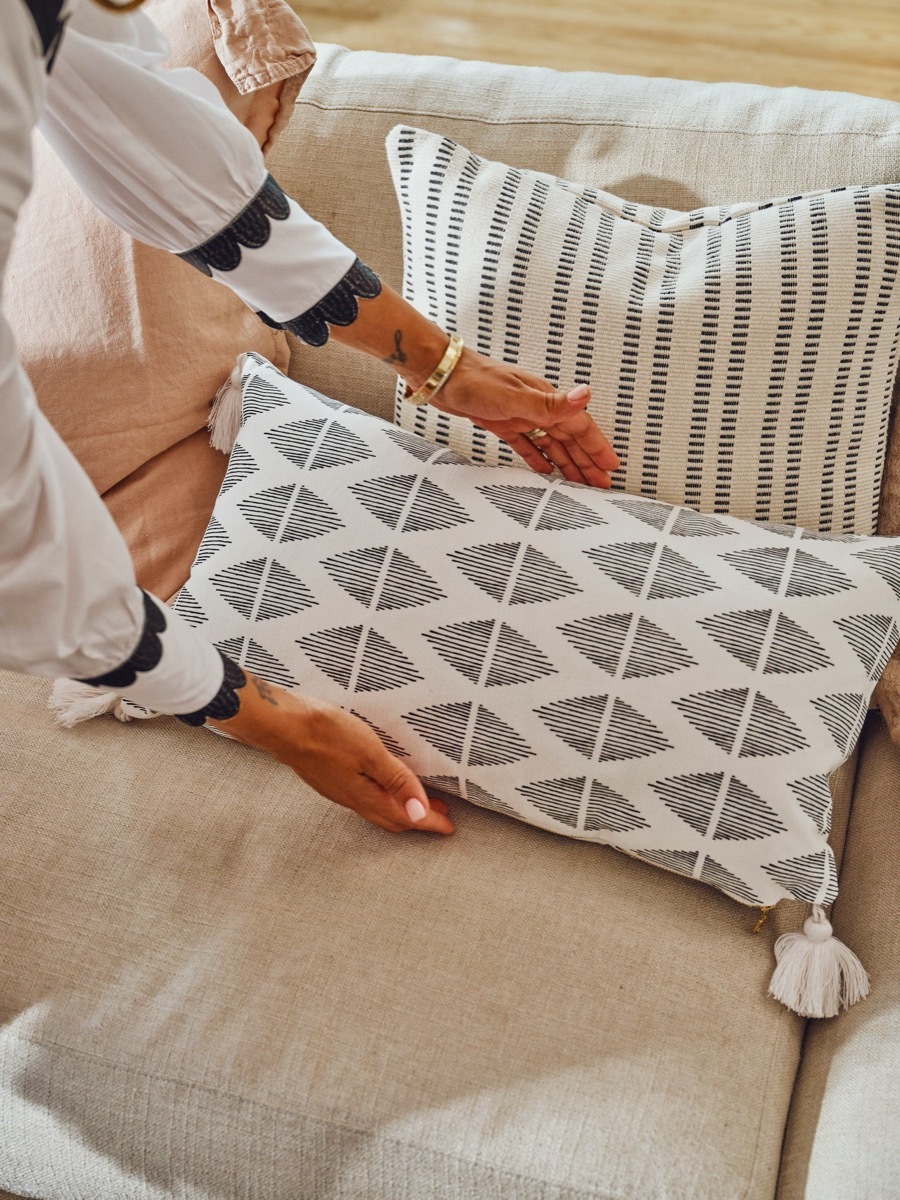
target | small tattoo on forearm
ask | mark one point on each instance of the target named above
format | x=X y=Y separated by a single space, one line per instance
x=267 y=692
x=398 y=356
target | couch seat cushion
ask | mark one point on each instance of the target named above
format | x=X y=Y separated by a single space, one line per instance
x=214 y=984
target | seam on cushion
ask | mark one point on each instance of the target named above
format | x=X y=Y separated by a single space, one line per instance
x=600 y=123
x=764 y=1108
x=567 y=1192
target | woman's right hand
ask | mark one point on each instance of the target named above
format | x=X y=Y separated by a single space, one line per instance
x=335 y=753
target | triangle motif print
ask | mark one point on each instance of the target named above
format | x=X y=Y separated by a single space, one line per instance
x=655 y=652
x=814 y=797
x=873 y=637
x=740 y=633
x=446 y=726
x=564 y=512
x=884 y=562
x=718 y=714
x=715 y=874
x=241 y=464
x=600 y=639
x=479 y=796
x=187 y=606
x=516 y=500
x=650 y=512
x=491 y=567
x=559 y=799
x=214 y=539
x=309 y=517
x=259 y=396
x=517 y=660
x=844 y=714
x=628 y=563
x=432 y=508
x=256 y=658
x=340 y=447
x=540 y=579
x=809 y=576
x=793 y=650
x=465 y=646
x=333 y=651
x=381 y=665
x=385 y=738
x=405 y=584
x=296 y=439
x=810 y=877
x=676 y=578
x=607 y=810
x=578 y=722
x=744 y=815
x=682 y=862
x=693 y=524
x=260 y=594
x=488 y=567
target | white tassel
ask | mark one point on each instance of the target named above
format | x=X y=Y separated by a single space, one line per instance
x=72 y=702
x=816 y=975
x=224 y=420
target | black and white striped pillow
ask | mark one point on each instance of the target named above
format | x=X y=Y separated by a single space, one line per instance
x=741 y=358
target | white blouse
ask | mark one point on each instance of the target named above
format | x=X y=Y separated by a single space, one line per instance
x=159 y=153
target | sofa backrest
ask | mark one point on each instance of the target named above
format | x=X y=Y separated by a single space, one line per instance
x=656 y=141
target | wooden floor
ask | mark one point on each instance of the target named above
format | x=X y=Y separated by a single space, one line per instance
x=840 y=45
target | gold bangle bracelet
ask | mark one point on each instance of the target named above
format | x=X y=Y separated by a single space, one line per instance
x=440 y=374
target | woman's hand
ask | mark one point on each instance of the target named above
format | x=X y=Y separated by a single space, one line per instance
x=492 y=394
x=337 y=754
x=509 y=402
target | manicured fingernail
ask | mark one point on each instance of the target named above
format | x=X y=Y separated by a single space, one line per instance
x=578 y=393
x=415 y=810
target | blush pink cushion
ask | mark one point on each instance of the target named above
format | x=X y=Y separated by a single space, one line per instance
x=126 y=345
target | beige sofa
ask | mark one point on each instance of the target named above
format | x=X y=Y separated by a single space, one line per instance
x=214 y=985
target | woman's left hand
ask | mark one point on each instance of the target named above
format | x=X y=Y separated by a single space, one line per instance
x=509 y=402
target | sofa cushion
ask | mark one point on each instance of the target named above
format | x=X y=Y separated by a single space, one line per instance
x=842 y=1137
x=215 y=984
x=741 y=357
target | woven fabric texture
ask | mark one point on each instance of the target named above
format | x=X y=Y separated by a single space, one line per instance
x=216 y=985
x=741 y=357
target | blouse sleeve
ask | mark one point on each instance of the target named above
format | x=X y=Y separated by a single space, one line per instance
x=69 y=604
x=159 y=152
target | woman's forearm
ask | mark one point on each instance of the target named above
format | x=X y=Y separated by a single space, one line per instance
x=389 y=328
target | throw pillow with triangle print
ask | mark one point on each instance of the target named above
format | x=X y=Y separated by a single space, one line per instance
x=612 y=668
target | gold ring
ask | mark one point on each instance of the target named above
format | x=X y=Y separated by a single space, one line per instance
x=534 y=434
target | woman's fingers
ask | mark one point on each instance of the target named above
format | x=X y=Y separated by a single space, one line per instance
x=406 y=802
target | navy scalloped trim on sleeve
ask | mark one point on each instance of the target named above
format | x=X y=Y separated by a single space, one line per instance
x=145 y=656
x=225 y=703
x=49 y=24
x=337 y=307
x=250 y=228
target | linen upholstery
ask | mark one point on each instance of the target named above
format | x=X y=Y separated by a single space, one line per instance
x=215 y=984
x=842 y=1136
